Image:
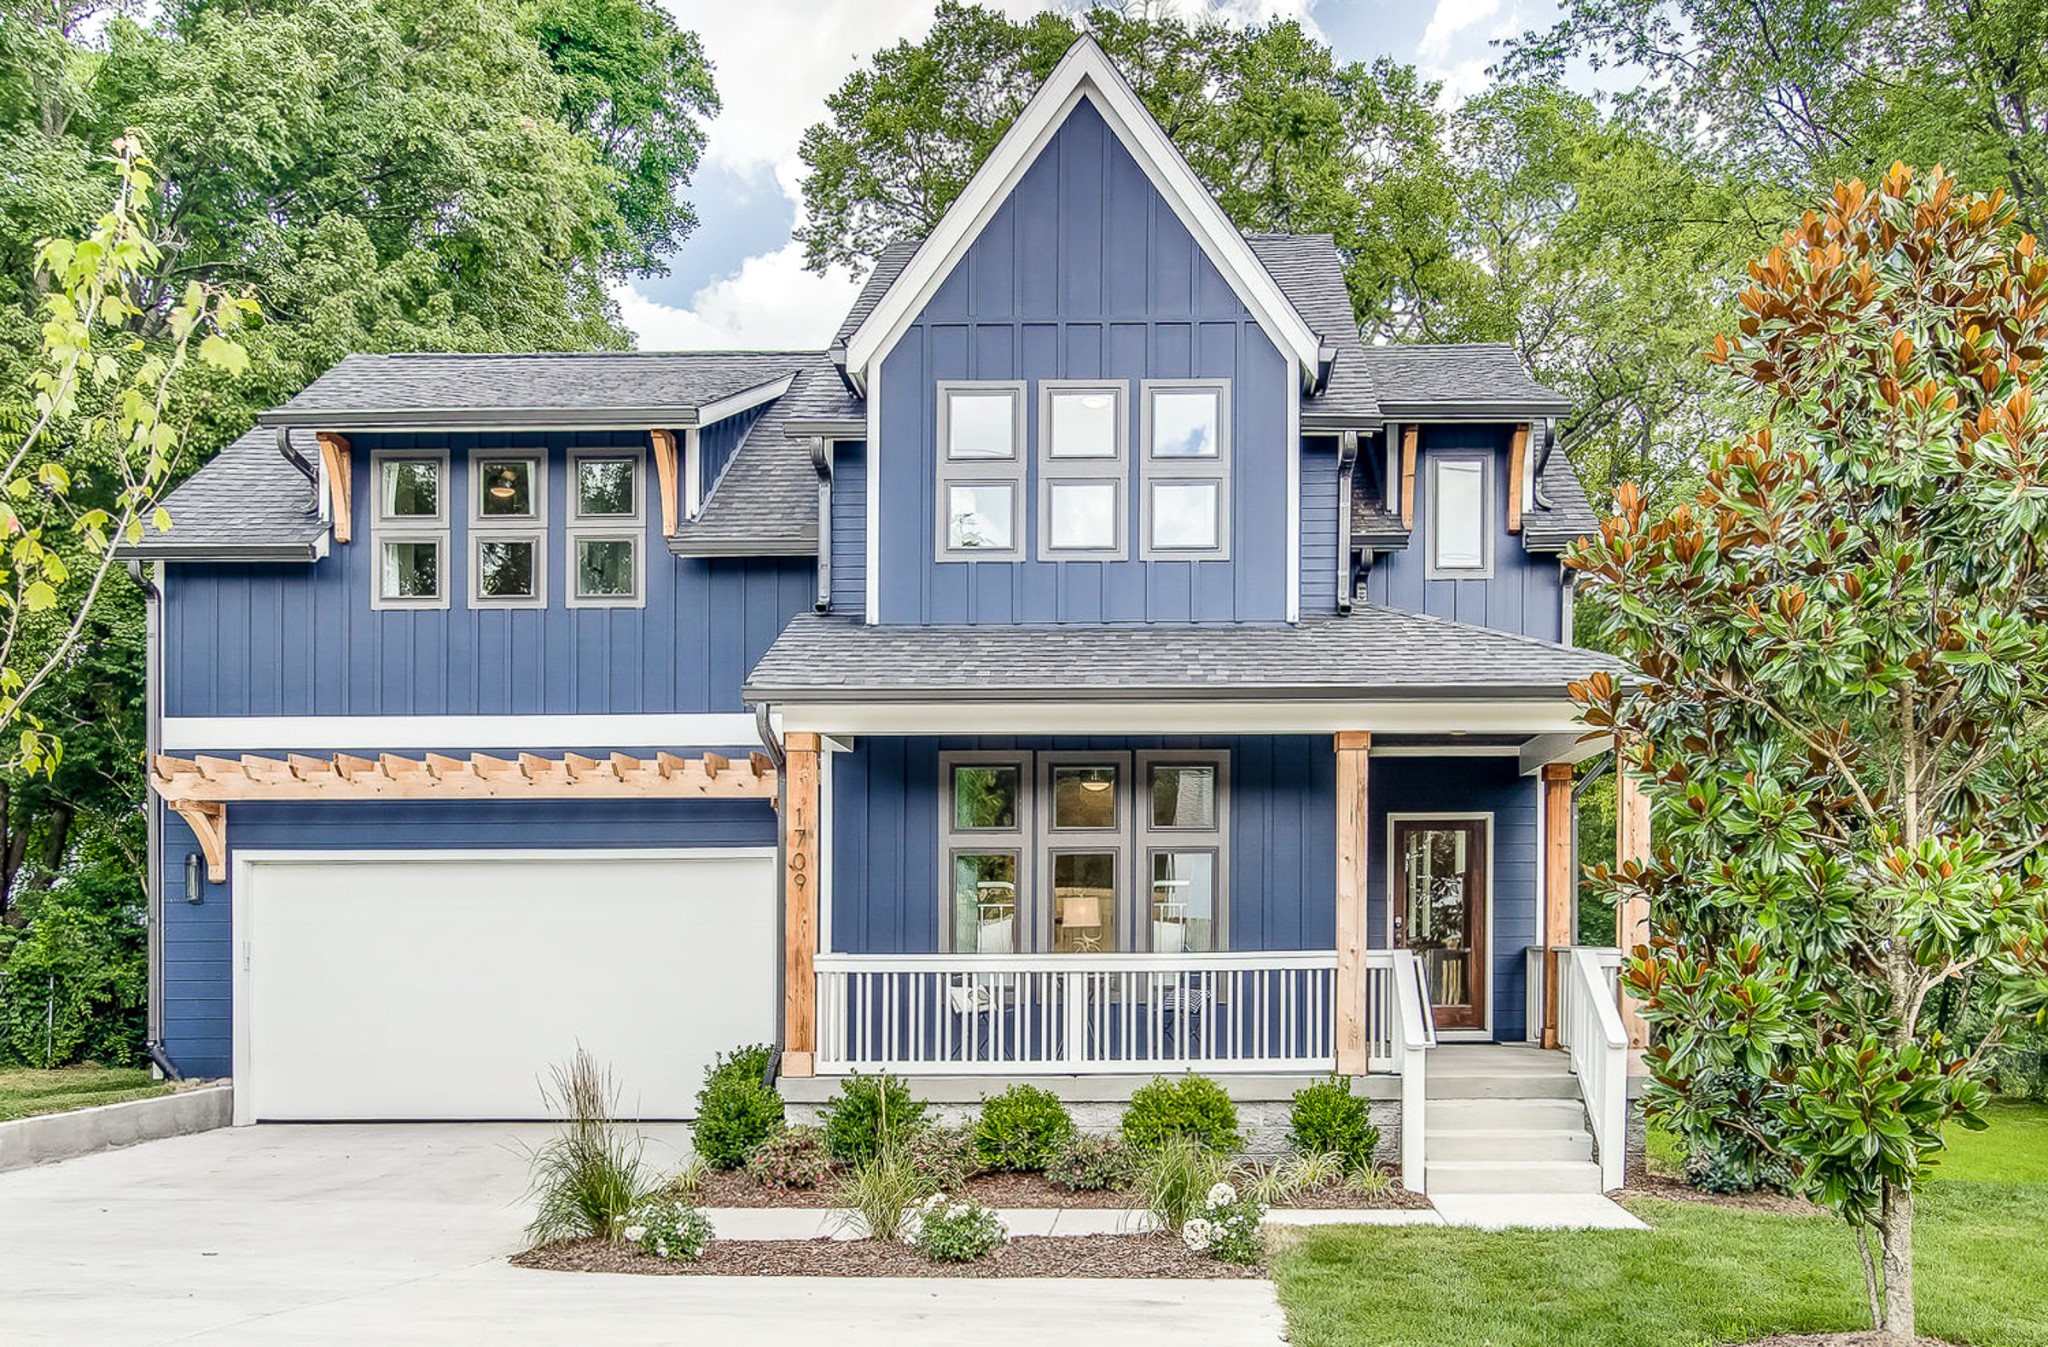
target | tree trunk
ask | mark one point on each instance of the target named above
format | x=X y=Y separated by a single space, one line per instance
x=1895 y=1231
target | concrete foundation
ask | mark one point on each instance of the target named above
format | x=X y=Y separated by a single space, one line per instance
x=60 y=1136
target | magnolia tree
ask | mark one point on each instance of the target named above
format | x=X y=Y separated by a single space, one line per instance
x=1841 y=645
x=84 y=463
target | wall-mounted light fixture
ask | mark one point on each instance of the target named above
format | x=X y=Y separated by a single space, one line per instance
x=195 y=878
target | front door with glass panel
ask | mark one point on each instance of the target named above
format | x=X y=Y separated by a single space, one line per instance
x=1440 y=912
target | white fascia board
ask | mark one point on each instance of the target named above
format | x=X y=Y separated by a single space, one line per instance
x=871 y=530
x=223 y=734
x=1084 y=72
x=732 y=404
x=1185 y=717
x=1545 y=749
x=1294 y=498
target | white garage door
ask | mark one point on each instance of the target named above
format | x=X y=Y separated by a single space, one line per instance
x=427 y=986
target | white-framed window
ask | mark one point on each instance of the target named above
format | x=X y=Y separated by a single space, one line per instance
x=1083 y=429
x=409 y=530
x=1460 y=541
x=980 y=487
x=985 y=852
x=607 y=562
x=507 y=529
x=1184 y=849
x=1184 y=469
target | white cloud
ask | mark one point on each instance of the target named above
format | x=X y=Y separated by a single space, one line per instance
x=770 y=303
x=1451 y=21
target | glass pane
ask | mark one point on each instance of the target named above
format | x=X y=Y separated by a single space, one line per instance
x=1084 y=902
x=1183 y=514
x=412 y=489
x=1460 y=516
x=1084 y=425
x=1083 y=514
x=504 y=568
x=412 y=570
x=1183 y=797
x=985 y=903
x=1183 y=902
x=981 y=425
x=984 y=797
x=507 y=486
x=1084 y=797
x=604 y=568
x=1437 y=874
x=604 y=486
x=979 y=517
x=1184 y=425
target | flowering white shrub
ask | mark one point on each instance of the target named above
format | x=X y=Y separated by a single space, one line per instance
x=672 y=1230
x=1227 y=1228
x=954 y=1230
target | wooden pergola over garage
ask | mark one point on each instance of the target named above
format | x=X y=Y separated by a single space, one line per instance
x=199 y=788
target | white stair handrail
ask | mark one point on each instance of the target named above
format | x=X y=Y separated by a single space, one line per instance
x=1414 y=1035
x=1589 y=1024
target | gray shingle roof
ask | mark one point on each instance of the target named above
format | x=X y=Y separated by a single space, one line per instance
x=1570 y=516
x=823 y=406
x=247 y=503
x=888 y=266
x=765 y=503
x=1375 y=652
x=1309 y=272
x=1471 y=379
x=599 y=388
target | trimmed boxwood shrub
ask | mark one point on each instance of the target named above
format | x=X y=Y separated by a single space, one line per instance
x=855 y=1118
x=737 y=1109
x=1330 y=1120
x=1022 y=1130
x=1191 y=1106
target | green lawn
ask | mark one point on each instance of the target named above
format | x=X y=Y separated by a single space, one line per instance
x=24 y=1094
x=1703 y=1275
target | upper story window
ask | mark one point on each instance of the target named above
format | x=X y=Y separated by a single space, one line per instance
x=607 y=526
x=508 y=530
x=1185 y=469
x=980 y=485
x=409 y=533
x=1082 y=471
x=1459 y=546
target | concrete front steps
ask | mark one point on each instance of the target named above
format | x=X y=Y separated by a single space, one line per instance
x=1504 y=1119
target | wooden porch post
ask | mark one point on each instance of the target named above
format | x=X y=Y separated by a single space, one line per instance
x=1631 y=843
x=800 y=904
x=1353 y=761
x=1560 y=887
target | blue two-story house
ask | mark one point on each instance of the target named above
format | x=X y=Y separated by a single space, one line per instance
x=1097 y=663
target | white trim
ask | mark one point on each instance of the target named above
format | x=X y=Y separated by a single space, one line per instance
x=1294 y=496
x=1188 y=717
x=224 y=734
x=1485 y=1031
x=870 y=544
x=1541 y=925
x=1084 y=72
x=734 y=403
x=825 y=844
x=1445 y=751
x=241 y=895
x=693 y=475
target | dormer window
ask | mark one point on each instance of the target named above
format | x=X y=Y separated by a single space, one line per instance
x=1459 y=546
x=980 y=488
x=409 y=532
x=607 y=521
x=1081 y=470
x=1185 y=471
x=507 y=530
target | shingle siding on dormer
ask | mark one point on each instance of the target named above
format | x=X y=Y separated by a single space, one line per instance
x=1083 y=272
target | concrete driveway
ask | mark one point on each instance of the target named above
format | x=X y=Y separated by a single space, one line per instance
x=398 y=1234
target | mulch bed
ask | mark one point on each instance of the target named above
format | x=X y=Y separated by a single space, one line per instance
x=735 y=1189
x=1025 y=1256
x=1763 y=1200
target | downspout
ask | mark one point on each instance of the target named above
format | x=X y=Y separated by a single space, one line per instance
x=1542 y=462
x=764 y=729
x=152 y=814
x=299 y=461
x=821 y=463
x=1347 y=468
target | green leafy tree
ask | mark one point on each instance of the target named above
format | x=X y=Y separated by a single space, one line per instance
x=1286 y=136
x=1841 y=641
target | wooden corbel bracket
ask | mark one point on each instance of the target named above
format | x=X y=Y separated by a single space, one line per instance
x=208 y=820
x=665 y=471
x=335 y=461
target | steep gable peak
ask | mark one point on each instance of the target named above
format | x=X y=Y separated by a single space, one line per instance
x=1084 y=72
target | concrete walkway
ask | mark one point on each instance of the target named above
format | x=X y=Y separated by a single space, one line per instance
x=398 y=1234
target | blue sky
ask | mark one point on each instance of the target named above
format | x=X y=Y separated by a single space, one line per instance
x=738 y=281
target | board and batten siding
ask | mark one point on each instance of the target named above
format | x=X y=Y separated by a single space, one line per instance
x=245 y=639
x=849 y=528
x=717 y=443
x=1526 y=591
x=198 y=942
x=1084 y=272
x=1318 y=526
x=886 y=873
x=1466 y=785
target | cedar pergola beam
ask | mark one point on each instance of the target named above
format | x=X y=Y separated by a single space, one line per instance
x=201 y=780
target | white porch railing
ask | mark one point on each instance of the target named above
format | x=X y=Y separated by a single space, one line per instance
x=1589 y=1026
x=1077 y=1013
